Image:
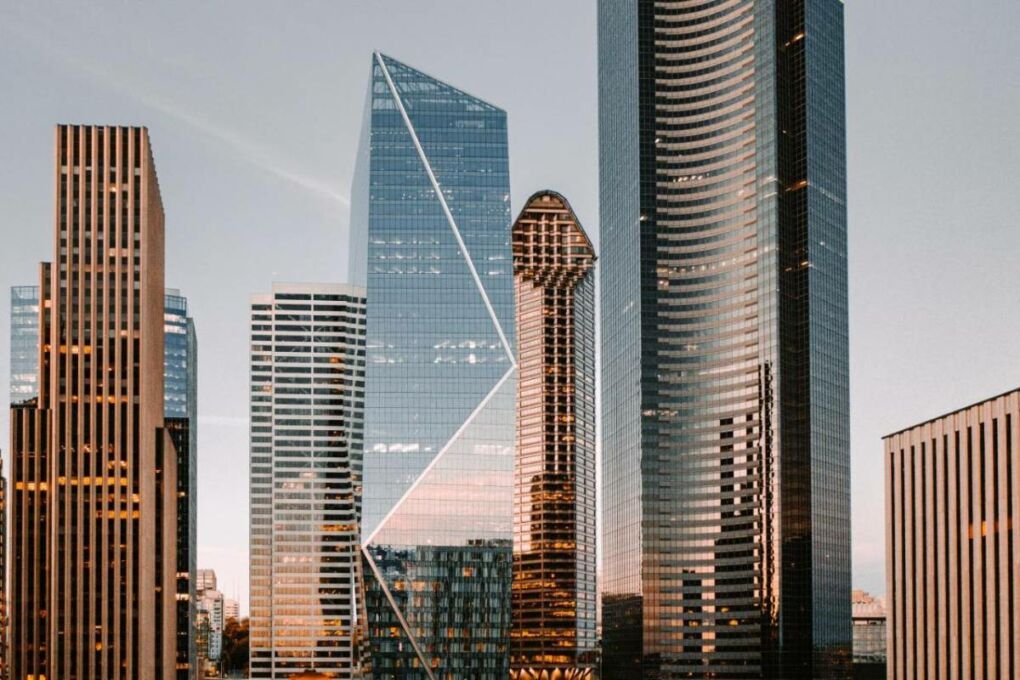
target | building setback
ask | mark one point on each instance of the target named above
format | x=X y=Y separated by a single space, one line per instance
x=553 y=592
x=93 y=517
x=307 y=401
x=724 y=339
x=430 y=222
x=952 y=491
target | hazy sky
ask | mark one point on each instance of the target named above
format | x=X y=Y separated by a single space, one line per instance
x=255 y=108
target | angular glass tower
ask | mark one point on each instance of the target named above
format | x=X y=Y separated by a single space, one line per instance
x=724 y=317
x=431 y=235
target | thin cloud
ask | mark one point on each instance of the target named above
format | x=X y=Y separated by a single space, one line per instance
x=247 y=150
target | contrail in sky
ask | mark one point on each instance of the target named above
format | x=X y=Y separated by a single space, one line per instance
x=247 y=150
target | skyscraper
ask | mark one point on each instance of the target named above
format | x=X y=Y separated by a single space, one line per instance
x=24 y=343
x=952 y=489
x=553 y=593
x=724 y=317
x=93 y=469
x=431 y=228
x=307 y=400
x=180 y=400
x=180 y=407
x=869 y=637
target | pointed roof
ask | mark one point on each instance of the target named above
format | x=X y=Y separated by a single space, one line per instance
x=412 y=82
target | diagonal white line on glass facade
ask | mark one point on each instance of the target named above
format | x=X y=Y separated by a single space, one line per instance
x=446 y=208
x=439 y=456
x=396 y=610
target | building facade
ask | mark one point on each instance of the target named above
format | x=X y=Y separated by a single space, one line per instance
x=205 y=579
x=952 y=570
x=553 y=593
x=724 y=344
x=307 y=401
x=231 y=609
x=94 y=479
x=24 y=343
x=431 y=238
x=869 y=631
x=211 y=603
x=180 y=408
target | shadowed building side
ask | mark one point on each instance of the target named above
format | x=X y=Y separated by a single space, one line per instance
x=553 y=590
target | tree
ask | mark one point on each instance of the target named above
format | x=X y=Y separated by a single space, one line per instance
x=234 y=658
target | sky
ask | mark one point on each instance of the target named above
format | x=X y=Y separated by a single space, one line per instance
x=254 y=109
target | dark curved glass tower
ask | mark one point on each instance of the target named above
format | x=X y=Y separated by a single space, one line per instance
x=724 y=316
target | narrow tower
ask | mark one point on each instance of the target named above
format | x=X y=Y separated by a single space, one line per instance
x=553 y=590
x=93 y=513
x=307 y=400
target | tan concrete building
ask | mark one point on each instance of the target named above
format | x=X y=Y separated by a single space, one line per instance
x=553 y=588
x=952 y=541
x=93 y=508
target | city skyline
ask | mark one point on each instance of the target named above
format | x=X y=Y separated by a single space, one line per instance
x=950 y=211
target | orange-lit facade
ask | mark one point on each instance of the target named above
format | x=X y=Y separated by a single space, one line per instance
x=553 y=590
x=93 y=507
x=952 y=488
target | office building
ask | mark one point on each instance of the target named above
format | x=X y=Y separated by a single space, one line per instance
x=205 y=579
x=94 y=477
x=307 y=400
x=952 y=488
x=24 y=343
x=431 y=237
x=211 y=604
x=553 y=592
x=869 y=633
x=724 y=339
x=231 y=609
x=180 y=409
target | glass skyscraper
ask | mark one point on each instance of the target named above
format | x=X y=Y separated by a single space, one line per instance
x=724 y=316
x=24 y=343
x=180 y=408
x=431 y=237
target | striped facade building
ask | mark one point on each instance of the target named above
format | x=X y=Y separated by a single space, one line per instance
x=307 y=397
x=93 y=468
x=952 y=539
